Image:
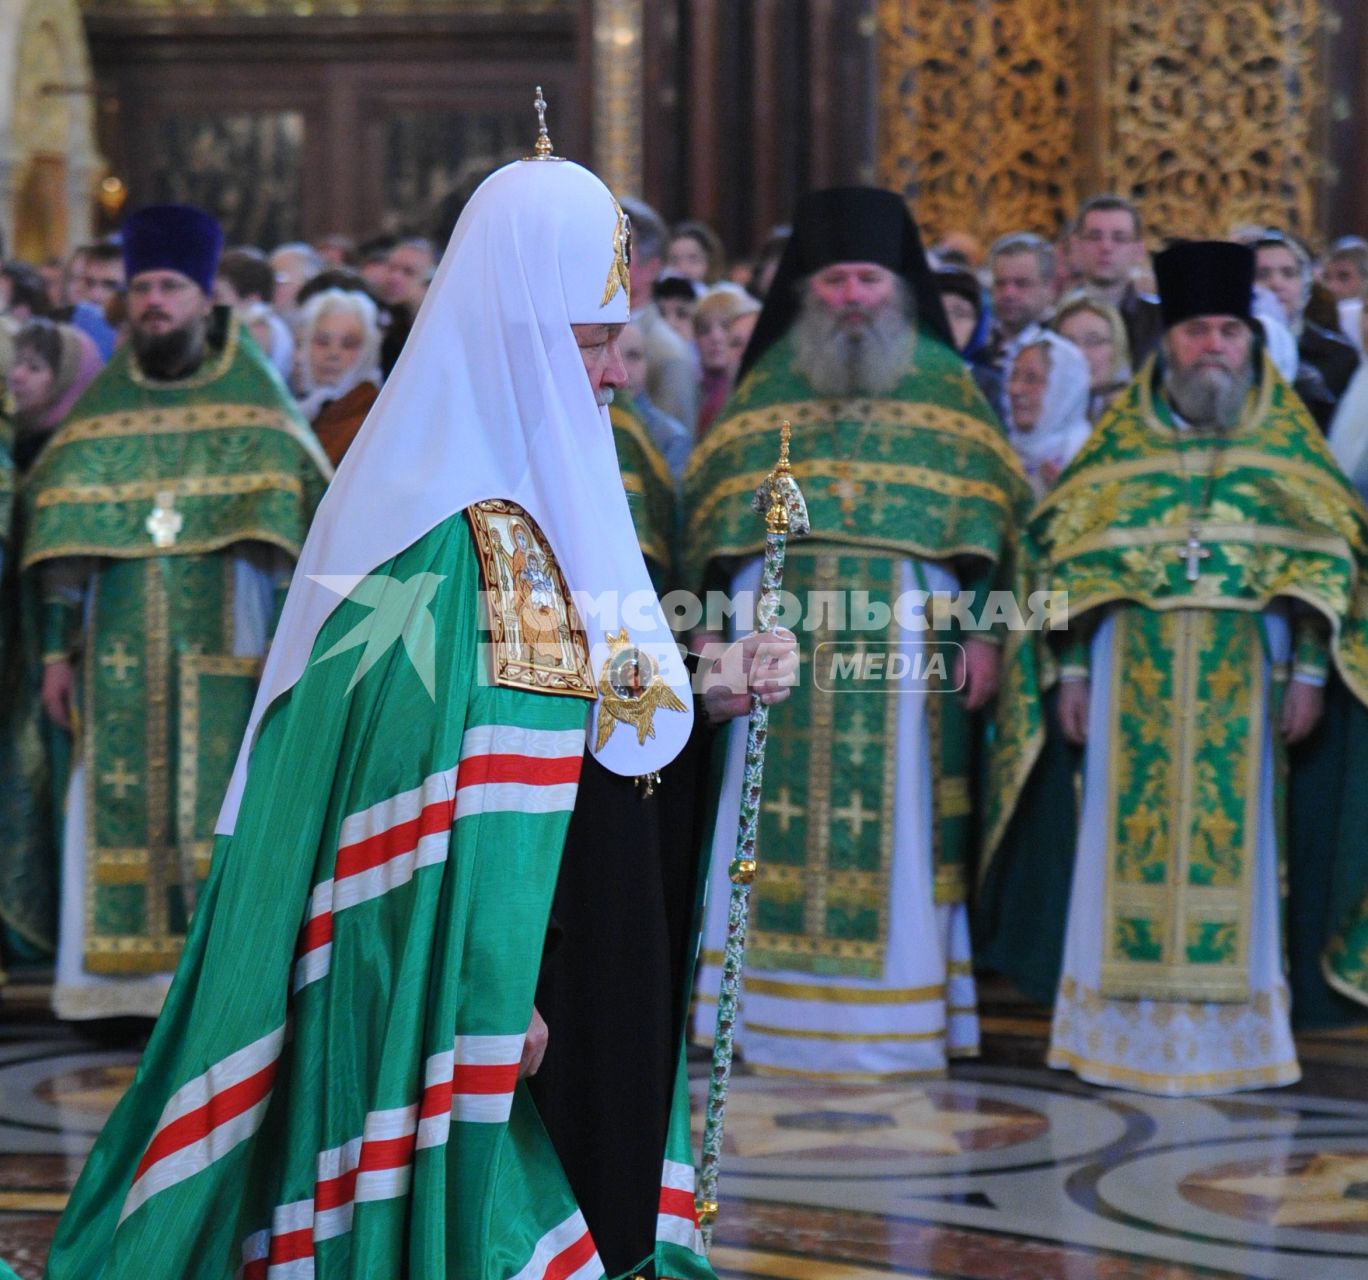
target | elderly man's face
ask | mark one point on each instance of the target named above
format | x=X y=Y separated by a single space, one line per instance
x=598 y=348
x=1209 y=342
x=854 y=291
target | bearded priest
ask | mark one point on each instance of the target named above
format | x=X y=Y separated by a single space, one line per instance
x=1213 y=553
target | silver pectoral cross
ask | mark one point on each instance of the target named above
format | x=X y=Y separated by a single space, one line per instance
x=165 y=522
x=1194 y=553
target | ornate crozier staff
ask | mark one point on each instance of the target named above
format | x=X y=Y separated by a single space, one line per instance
x=781 y=502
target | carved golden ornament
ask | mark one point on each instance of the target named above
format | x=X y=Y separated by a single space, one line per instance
x=323 y=8
x=1215 y=110
x=977 y=106
x=618 y=93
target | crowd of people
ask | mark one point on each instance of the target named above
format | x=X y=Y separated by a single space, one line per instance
x=1107 y=807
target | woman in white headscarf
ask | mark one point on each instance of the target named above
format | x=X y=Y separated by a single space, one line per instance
x=1047 y=391
x=339 y=374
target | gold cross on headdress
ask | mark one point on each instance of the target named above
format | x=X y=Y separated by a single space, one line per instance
x=542 y=151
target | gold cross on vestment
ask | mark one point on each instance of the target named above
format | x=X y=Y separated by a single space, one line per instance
x=120 y=778
x=1225 y=680
x=165 y=522
x=855 y=814
x=856 y=738
x=1194 y=553
x=784 y=809
x=119 y=661
x=846 y=490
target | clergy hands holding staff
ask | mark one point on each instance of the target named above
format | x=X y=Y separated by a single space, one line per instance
x=764 y=663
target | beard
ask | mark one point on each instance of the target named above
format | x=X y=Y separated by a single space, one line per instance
x=1210 y=396
x=842 y=358
x=177 y=353
x=603 y=397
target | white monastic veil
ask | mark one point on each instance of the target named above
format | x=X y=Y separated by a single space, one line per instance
x=1063 y=426
x=490 y=400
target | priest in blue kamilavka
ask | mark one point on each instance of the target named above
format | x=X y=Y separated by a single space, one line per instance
x=1214 y=556
x=858 y=962
x=337 y=1084
x=162 y=521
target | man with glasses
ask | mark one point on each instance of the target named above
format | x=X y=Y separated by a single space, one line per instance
x=1109 y=247
x=96 y=274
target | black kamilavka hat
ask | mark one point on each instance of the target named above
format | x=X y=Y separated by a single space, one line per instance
x=847 y=224
x=1205 y=278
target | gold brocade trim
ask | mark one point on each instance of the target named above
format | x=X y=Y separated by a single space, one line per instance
x=1358 y=685
x=629 y=423
x=953 y=797
x=196 y=854
x=1209 y=533
x=1022 y=761
x=537 y=639
x=170 y=420
x=212 y=369
x=1347 y=989
x=183 y=547
x=860 y=1077
x=132 y=956
x=846 y=1037
x=184 y=486
x=959 y=969
x=887 y=473
x=1175 y=903
x=948 y=886
x=836 y=994
x=1176 y=1082
x=912 y=415
x=157 y=681
x=1202 y=461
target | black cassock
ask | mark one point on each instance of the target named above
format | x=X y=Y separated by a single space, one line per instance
x=613 y=991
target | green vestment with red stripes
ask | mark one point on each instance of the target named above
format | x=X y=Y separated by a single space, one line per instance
x=332 y=1088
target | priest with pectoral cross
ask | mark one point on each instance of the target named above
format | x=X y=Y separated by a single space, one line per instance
x=162 y=520
x=1207 y=541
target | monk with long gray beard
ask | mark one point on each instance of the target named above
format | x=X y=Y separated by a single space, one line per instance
x=1210 y=547
x=858 y=965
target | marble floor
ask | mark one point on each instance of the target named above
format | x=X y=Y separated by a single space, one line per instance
x=1005 y=1171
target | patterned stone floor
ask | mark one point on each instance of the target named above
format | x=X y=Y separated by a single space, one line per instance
x=1006 y=1171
